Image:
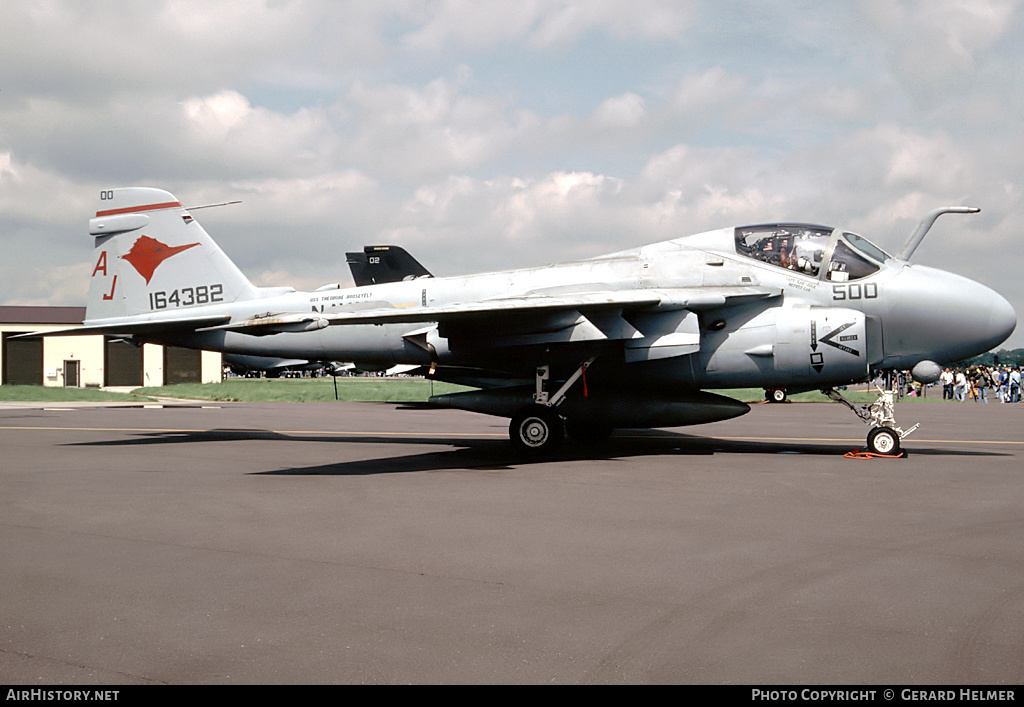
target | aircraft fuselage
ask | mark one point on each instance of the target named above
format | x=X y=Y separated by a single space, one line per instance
x=817 y=332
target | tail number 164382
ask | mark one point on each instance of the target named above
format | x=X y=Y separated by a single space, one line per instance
x=186 y=296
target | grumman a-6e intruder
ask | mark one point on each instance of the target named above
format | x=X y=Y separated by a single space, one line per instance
x=623 y=340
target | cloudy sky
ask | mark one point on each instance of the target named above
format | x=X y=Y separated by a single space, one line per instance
x=504 y=133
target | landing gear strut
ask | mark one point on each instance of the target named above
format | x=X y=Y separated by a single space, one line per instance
x=885 y=435
x=538 y=427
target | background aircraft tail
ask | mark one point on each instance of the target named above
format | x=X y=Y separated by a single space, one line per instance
x=384 y=263
x=151 y=256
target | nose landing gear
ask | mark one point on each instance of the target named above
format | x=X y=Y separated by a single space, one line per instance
x=885 y=436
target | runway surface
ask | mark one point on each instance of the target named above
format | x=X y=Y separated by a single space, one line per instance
x=363 y=543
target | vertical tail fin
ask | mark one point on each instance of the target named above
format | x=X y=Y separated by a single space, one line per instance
x=152 y=256
x=384 y=263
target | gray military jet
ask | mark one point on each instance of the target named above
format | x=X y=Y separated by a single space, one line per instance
x=624 y=340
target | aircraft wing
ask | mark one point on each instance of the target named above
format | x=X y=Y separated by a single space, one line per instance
x=693 y=299
x=655 y=323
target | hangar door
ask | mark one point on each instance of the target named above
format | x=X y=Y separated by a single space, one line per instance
x=182 y=365
x=23 y=361
x=122 y=363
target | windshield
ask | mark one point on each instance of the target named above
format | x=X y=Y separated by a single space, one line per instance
x=866 y=247
x=852 y=258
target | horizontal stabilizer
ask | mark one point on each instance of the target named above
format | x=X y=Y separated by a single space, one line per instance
x=128 y=328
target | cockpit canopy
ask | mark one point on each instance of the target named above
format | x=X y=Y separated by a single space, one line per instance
x=815 y=251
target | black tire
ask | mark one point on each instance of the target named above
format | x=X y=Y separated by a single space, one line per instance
x=536 y=428
x=884 y=440
x=588 y=431
x=776 y=395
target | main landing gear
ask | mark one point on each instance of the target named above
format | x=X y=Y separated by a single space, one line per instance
x=538 y=427
x=885 y=436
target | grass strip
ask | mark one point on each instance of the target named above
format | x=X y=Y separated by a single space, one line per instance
x=350 y=389
x=47 y=394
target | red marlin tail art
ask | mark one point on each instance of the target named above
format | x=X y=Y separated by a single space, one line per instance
x=147 y=254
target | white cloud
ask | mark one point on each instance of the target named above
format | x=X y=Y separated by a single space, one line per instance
x=91 y=49
x=842 y=103
x=934 y=46
x=696 y=91
x=7 y=167
x=45 y=284
x=931 y=161
x=623 y=111
x=34 y=200
x=406 y=131
x=537 y=23
x=236 y=138
x=216 y=115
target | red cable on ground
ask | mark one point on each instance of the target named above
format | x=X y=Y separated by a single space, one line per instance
x=857 y=454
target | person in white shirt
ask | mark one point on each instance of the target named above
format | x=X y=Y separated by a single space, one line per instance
x=960 y=386
x=946 y=377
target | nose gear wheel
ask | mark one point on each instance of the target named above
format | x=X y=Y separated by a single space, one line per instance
x=884 y=440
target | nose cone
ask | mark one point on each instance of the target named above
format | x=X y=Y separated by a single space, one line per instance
x=1002 y=320
x=939 y=316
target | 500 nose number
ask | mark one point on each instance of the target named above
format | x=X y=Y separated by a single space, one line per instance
x=854 y=291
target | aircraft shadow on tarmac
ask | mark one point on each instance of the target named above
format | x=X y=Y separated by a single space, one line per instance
x=499 y=454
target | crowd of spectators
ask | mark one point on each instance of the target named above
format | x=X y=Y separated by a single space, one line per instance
x=979 y=383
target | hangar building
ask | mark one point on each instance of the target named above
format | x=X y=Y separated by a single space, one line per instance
x=91 y=360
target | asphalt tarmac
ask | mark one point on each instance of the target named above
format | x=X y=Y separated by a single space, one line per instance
x=365 y=543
